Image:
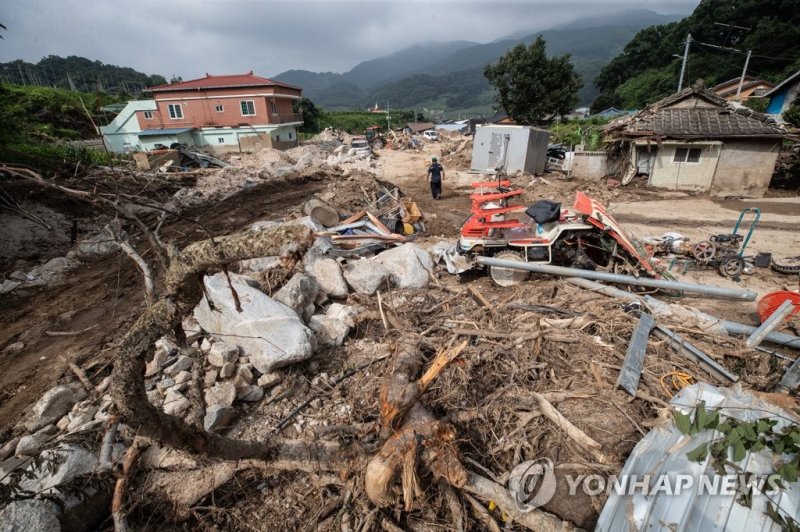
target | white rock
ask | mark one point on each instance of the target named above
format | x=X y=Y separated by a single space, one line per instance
x=221 y=353
x=245 y=372
x=183 y=376
x=250 y=393
x=53 y=405
x=31 y=444
x=211 y=377
x=270 y=333
x=268 y=380
x=32 y=515
x=228 y=370
x=155 y=398
x=328 y=275
x=328 y=331
x=16 y=347
x=63 y=423
x=205 y=345
x=183 y=363
x=409 y=264
x=219 y=417
x=175 y=403
x=74 y=461
x=154 y=366
x=222 y=393
x=166 y=344
x=164 y=384
x=365 y=276
x=299 y=294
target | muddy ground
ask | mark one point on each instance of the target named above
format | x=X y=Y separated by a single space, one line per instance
x=483 y=393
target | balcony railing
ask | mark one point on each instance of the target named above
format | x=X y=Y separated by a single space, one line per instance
x=285 y=119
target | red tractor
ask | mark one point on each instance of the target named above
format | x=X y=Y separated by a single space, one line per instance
x=584 y=236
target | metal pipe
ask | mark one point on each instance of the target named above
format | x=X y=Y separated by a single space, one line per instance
x=770 y=324
x=682 y=347
x=731 y=327
x=690 y=351
x=715 y=291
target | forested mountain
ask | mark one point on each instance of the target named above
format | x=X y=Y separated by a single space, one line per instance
x=77 y=73
x=450 y=75
x=648 y=70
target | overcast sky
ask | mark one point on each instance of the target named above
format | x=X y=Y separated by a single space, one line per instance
x=191 y=37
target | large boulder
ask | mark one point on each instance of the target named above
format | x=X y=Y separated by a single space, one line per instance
x=53 y=405
x=270 y=333
x=328 y=275
x=29 y=515
x=299 y=294
x=365 y=276
x=409 y=264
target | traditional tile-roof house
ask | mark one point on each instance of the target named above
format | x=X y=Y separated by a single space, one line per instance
x=782 y=96
x=238 y=112
x=418 y=127
x=695 y=140
x=751 y=87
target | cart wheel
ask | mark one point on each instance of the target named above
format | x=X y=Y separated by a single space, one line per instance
x=704 y=251
x=507 y=276
x=731 y=266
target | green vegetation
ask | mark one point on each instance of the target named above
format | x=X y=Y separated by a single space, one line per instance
x=532 y=86
x=78 y=73
x=35 y=121
x=736 y=439
x=648 y=70
x=355 y=122
x=586 y=132
x=792 y=114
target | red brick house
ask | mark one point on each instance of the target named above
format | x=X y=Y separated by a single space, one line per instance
x=241 y=112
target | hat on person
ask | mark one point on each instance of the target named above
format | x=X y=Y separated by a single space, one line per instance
x=434 y=159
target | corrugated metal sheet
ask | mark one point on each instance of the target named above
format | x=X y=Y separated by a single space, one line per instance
x=663 y=452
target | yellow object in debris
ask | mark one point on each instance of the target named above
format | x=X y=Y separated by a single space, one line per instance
x=492 y=506
x=678 y=380
x=408 y=229
x=411 y=212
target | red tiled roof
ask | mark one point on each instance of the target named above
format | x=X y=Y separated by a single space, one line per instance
x=218 y=82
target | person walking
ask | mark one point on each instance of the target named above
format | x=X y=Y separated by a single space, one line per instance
x=435 y=176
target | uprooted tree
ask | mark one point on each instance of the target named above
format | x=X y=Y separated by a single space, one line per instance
x=532 y=86
x=413 y=441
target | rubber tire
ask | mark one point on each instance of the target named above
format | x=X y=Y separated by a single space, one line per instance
x=731 y=266
x=506 y=277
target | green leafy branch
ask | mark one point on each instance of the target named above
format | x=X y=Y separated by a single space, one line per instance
x=736 y=440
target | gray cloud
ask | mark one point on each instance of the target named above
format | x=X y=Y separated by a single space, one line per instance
x=191 y=37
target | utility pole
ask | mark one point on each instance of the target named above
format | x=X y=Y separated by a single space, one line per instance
x=685 y=58
x=744 y=73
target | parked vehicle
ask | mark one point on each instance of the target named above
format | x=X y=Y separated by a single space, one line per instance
x=361 y=147
x=430 y=134
x=375 y=137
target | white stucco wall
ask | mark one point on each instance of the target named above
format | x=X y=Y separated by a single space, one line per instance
x=671 y=175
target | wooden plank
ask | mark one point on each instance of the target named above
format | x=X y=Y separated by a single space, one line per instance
x=632 y=366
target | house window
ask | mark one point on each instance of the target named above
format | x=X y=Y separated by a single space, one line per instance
x=290 y=136
x=221 y=140
x=277 y=138
x=687 y=155
x=248 y=108
x=274 y=107
x=220 y=108
x=148 y=115
x=175 y=111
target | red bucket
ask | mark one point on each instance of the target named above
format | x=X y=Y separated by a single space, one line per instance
x=770 y=302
